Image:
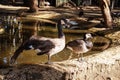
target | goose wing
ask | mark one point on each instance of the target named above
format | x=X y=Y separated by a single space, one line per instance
x=41 y=46
x=75 y=43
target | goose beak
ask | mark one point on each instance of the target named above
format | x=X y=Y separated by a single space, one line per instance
x=65 y=26
x=91 y=37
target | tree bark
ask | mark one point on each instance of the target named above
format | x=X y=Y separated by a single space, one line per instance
x=31 y=4
x=104 y=5
x=113 y=3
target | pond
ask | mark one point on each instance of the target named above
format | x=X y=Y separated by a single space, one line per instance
x=14 y=32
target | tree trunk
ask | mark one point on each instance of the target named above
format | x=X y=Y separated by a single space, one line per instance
x=104 y=5
x=31 y=4
x=113 y=3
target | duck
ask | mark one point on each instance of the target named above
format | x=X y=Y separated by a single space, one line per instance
x=80 y=46
x=43 y=45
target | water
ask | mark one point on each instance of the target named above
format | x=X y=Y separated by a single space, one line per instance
x=15 y=32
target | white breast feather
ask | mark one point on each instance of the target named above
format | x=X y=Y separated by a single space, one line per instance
x=59 y=46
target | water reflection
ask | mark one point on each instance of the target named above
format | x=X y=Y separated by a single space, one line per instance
x=16 y=32
x=10 y=35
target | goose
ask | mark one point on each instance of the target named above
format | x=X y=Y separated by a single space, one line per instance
x=80 y=46
x=43 y=45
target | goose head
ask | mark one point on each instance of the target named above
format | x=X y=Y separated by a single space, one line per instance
x=88 y=36
x=69 y=24
x=63 y=22
x=88 y=40
x=60 y=25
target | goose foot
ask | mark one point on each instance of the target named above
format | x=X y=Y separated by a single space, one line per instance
x=80 y=59
x=70 y=57
x=49 y=63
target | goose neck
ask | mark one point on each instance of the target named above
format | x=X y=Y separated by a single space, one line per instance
x=60 y=31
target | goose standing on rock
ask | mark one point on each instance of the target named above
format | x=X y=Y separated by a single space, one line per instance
x=43 y=45
x=80 y=46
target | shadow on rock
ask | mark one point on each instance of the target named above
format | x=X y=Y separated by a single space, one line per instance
x=32 y=72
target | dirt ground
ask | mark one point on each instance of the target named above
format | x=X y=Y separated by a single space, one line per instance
x=102 y=66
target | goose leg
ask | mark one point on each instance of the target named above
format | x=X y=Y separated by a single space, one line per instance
x=49 y=58
x=80 y=57
x=71 y=54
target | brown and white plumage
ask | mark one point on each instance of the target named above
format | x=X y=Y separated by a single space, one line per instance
x=43 y=45
x=80 y=46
